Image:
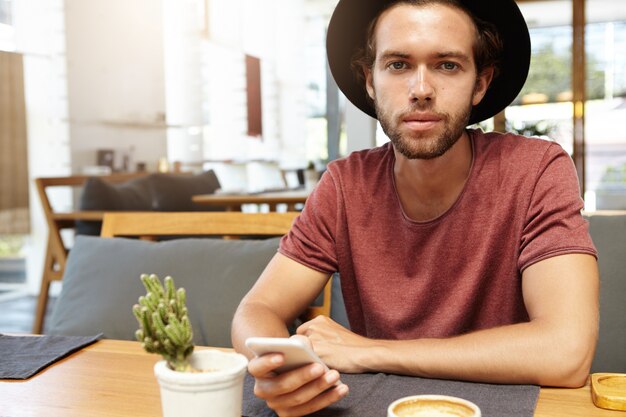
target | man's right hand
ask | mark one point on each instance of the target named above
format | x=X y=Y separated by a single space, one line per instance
x=298 y=392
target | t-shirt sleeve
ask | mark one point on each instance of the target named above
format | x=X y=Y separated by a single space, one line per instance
x=554 y=224
x=311 y=240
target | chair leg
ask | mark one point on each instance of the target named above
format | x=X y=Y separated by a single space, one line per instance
x=42 y=305
x=42 y=299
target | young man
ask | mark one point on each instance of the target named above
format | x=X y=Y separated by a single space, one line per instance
x=462 y=255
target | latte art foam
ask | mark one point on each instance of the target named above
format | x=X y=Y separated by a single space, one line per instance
x=433 y=407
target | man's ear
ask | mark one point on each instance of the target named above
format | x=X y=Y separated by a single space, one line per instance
x=369 y=86
x=482 y=84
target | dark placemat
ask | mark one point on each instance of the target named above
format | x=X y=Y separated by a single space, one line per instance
x=23 y=356
x=371 y=394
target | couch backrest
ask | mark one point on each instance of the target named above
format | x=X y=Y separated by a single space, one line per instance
x=608 y=231
x=101 y=283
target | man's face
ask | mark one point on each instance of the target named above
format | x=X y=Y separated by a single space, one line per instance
x=424 y=80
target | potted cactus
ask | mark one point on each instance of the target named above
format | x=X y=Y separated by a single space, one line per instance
x=194 y=383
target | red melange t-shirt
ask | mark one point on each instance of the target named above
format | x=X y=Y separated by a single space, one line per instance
x=403 y=279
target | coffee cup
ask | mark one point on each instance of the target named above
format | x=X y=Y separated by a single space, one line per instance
x=432 y=406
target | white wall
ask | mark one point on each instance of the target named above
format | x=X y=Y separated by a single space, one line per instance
x=116 y=81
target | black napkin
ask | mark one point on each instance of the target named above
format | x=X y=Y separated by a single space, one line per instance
x=371 y=394
x=23 y=356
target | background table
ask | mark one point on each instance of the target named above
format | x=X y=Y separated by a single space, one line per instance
x=115 y=379
x=233 y=202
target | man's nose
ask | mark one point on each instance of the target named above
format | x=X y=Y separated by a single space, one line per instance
x=421 y=87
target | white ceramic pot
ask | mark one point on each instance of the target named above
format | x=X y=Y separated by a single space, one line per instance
x=217 y=393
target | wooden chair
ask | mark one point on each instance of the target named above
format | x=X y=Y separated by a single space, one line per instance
x=154 y=225
x=56 y=250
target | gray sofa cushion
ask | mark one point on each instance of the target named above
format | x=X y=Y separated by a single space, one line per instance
x=337 y=307
x=608 y=232
x=99 y=194
x=174 y=192
x=158 y=192
x=101 y=283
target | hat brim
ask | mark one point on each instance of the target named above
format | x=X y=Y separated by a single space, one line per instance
x=347 y=31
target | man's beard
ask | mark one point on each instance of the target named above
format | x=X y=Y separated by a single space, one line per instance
x=420 y=145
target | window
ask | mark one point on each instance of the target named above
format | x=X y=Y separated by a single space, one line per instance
x=546 y=108
x=605 y=153
x=7 y=38
x=6 y=16
x=316 y=88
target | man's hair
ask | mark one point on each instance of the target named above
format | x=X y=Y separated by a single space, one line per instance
x=487 y=45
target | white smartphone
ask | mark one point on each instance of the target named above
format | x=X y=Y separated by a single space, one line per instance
x=297 y=353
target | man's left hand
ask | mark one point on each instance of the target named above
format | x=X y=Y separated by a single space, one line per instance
x=337 y=346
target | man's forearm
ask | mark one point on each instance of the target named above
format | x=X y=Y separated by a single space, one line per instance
x=523 y=353
x=254 y=319
x=274 y=302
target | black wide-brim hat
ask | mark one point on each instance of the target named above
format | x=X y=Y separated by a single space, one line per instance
x=347 y=31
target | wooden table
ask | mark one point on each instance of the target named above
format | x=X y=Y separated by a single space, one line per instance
x=115 y=379
x=233 y=202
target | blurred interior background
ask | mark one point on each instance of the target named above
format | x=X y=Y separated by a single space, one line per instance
x=242 y=87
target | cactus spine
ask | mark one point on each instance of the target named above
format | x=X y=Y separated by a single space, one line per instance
x=164 y=325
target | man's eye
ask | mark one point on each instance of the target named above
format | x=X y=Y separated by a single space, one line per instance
x=449 y=66
x=397 y=65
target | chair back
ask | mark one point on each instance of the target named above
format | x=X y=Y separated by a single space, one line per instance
x=56 y=249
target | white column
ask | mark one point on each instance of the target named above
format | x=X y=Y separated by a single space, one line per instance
x=184 y=83
x=39 y=37
x=290 y=59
